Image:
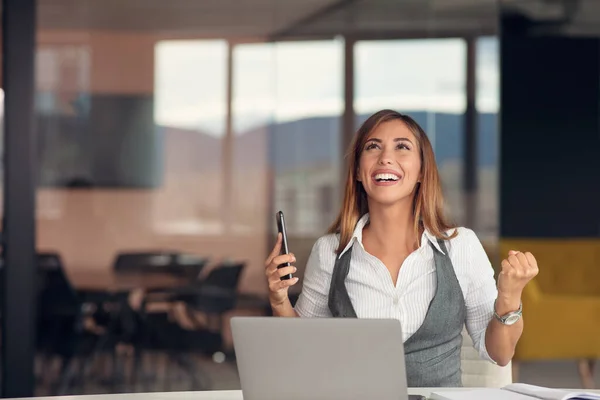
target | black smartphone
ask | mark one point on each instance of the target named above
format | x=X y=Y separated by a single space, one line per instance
x=284 y=242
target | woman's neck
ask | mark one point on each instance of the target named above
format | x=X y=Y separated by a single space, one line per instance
x=392 y=226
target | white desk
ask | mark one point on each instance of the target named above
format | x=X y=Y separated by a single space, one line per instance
x=206 y=395
x=214 y=395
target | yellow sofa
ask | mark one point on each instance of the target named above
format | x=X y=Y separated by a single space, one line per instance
x=561 y=306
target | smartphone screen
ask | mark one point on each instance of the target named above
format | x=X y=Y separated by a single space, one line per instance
x=284 y=242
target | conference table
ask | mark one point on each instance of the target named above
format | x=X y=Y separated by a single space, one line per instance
x=109 y=281
x=215 y=395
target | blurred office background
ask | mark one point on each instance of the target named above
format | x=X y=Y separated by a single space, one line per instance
x=168 y=133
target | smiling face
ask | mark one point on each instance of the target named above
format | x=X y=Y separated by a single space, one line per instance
x=389 y=155
x=390 y=164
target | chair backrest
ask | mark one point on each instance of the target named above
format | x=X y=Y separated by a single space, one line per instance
x=224 y=276
x=481 y=373
x=56 y=294
x=189 y=264
x=217 y=292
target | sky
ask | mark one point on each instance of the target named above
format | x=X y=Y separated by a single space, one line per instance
x=292 y=80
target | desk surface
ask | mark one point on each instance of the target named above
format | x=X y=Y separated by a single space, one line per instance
x=216 y=395
x=206 y=395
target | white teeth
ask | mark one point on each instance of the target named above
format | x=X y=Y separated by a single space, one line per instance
x=386 y=177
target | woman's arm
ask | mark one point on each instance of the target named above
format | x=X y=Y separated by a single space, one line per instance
x=500 y=339
x=312 y=301
x=494 y=341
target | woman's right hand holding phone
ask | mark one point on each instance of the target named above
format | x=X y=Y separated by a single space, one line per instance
x=278 y=289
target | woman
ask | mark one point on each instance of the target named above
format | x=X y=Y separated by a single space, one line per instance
x=392 y=253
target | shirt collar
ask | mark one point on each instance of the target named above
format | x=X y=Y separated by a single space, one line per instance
x=432 y=239
x=357 y=236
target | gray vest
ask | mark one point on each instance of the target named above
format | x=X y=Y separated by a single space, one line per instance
x=432 y=353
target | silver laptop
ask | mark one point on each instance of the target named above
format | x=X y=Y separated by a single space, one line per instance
x=319 y=358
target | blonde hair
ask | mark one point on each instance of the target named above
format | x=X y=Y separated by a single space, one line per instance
x=428 y=204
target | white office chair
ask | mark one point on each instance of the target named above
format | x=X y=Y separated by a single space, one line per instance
x=480 y=373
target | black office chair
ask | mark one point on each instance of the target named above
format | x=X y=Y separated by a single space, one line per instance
x=60 y=319
x=217 y=293
x=213 y=295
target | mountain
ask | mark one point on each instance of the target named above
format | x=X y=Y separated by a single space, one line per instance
x=309 y=141
x=315 y=141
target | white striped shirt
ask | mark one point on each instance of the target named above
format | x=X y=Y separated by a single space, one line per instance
x=374 y=295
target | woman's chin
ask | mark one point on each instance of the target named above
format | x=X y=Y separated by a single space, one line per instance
x=388 y=200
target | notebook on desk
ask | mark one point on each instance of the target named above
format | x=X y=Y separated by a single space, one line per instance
x=516 y=391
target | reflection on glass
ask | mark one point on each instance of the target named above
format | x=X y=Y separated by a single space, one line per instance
x=131 y=132
x=63 y=100
x=424 y=78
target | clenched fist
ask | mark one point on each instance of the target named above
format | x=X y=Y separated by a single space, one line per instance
x=517 y=270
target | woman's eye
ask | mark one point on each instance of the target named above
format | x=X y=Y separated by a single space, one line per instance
x=403 y=146
x=371 y=146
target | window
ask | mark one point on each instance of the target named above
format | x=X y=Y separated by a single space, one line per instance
x=287 y=107
x=487 y=71
x=326 y=199
x=190 y=111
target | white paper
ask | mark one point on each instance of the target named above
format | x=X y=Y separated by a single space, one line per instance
x=550 y=394
x=478 y=394
x=516 y=391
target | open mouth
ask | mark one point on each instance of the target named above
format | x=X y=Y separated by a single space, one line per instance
x=386 y=178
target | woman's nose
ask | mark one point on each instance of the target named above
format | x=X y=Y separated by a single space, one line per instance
x=383 y=160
